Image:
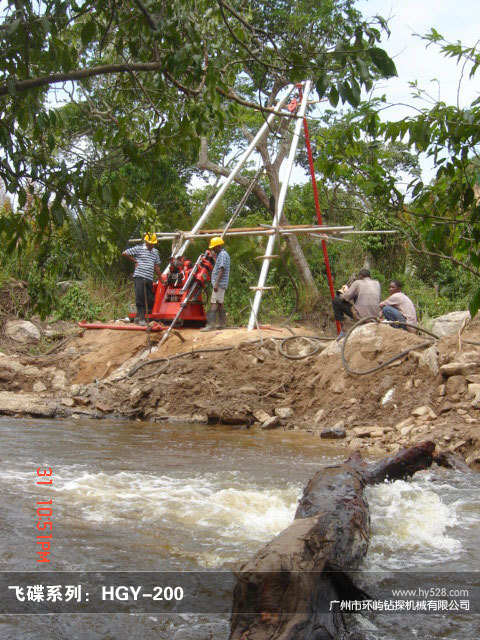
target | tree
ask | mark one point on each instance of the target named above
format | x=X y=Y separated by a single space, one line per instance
x=328 y=29
x=150 y=76
x=440 y=219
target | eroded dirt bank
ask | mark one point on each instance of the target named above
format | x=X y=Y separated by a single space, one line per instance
x=233 y=377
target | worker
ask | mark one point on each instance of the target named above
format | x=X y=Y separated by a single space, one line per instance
x=398 y=307
x=147 y=261
x=359 y=300
x=219 y=279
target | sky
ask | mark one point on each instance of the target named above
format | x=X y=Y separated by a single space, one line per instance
x=456 y=20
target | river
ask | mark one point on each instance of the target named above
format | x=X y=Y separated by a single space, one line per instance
x=134 y=496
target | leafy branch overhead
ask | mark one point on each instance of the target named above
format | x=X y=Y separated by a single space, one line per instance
x=440 y=219
x=89 y=84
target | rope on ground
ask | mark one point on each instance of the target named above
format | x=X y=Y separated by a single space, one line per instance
x=390 y=360
x=315 y=350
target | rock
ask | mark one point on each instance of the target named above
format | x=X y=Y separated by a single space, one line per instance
x=284 y=412
x=425 y=412
x=476 y=402
x=338 y=386
x=319 y=416
x=473 y=458
x=260 y=415
x=68 y=402
x=449 y=323
x=11 y=364
x=428 y=359
x=81 y=400
x=442 y=390
x=470 y=356
x=457 y=369
x=135 y=396
x=32 y=372
x=103 y=407
x=271 y=423
x=22 y=331
x=59 y=379
x=65 y=285
x=39 y=387
x=334 y=433
x=473 y=389
x=25 y=403
x=201 y=418
x=6 y=375
x=455 y=385
x=388 y=396
x=420 y=411
x=475 y=378
x=404 y=431
x=404 y=423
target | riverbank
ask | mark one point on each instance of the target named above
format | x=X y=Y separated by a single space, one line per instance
x=241 y=378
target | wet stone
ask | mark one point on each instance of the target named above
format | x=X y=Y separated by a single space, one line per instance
x=271 y=423
x=333 y=433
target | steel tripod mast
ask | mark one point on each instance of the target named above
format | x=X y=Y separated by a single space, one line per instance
x=243 y=158
x=281 y=201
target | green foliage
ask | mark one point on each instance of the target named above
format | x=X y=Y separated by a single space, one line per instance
x=76 y=305
x=42 y=292
x=149 y=81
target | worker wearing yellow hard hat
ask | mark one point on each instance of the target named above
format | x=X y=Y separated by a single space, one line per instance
x=217 y=241
x=147 y=262
x=150 y=238
x=217 y=316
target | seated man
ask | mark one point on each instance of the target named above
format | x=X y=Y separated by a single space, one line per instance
x=361 y=297
x=398 y=307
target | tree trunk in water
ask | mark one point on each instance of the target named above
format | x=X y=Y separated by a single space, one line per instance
x=284 y=592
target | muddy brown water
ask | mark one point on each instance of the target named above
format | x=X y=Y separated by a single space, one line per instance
x=168 y=497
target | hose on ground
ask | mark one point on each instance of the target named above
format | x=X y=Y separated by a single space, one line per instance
x=390 y=360
x=316 y=348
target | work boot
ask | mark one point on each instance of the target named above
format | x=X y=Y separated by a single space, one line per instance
x=211 y=320
x=222 y=319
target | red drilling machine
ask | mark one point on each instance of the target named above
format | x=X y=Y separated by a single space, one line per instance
x=178 y=294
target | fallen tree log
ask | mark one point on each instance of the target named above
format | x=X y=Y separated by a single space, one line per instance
x=285 y=591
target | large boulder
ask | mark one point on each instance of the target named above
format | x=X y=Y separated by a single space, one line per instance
x=22 y=331
x=449 y=323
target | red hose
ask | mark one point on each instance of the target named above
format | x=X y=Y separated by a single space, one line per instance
x=121 y=327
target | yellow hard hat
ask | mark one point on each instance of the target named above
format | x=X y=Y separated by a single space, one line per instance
x=151 y=238
x=216 y=242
